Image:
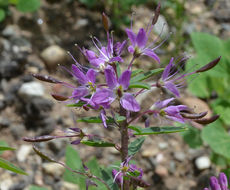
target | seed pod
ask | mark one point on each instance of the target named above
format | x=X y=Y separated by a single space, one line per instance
x=39 y=139
x=42 y=155
x=157 y=13
x=59 y=97
x=209 y=65
x=193 y=115
x=105 y=21
x=208 y=120
x=46 y=78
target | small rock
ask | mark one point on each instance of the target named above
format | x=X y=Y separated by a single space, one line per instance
x=9 y=68
x=53 y=169
x=163 y=145
x=23 y=152
x=81 y=23
x=150 y=152
x=69 y=186
x=179 y=156
x=4 y=122
x=53 y=55
x=161 y=24
x=161 y=171
x=9 y=30
x=57 y=145
x=17 y=130
x=202 y=163
x=6 y=184
x=31 y=89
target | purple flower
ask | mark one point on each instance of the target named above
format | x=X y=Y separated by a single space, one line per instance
x=163 y=109
x=87 y=82
x=139 y=44
x=218 y=184
x=126 y=169
x=116 y=89
x=107 y=55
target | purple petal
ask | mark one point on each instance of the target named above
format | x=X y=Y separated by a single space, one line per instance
x=167 y=69
x=104 y=54
x=214 y=183
x=119 y=47
x=110 y=47
x=223 y=181
x=79 y=75
x=131 y=36
x=75 y=129
x=103 y=117
x=129 y=103
x=79 y=92
x=151 y=54
x=103 y=97
x=110 y=77
x=141 y=38
x=91 y=74
x=76 y=142
x=124 y=79
x=131 y=49
x=177 y=119
x=118 y=176
x=116 y=59
x=90 y=55
x=162 y=104
x=96 y=62
x=172 y=88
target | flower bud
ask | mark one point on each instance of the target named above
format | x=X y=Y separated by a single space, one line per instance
x=157 y=13
x=46 y=78
x=209 y=65
x=105 y=21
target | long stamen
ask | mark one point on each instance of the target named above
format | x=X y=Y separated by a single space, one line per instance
x=131 y=24
x=163 y=41
x=99 y=48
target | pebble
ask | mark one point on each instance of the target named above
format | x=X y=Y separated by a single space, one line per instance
x=17 y=130
x=53 y=55
x=69 y=186
x=23 y=152
x=6 y=184
x=161 y=24
x=163 y=145
x=202 y=163
x=53 y=169
x=30 y=89
x=150 y=152
x=162 y=171
x=179 y=156
x=4 y=122
x=9 y=31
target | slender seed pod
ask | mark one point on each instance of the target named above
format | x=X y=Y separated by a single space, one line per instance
x=193 y=115
x=209 y=65
x=46 y=78
x=157 y=13
x=39 y=139
x=105 y=21
x=208 y=120
x=59 y=97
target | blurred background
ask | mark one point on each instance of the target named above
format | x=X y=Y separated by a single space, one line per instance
x=35 y=36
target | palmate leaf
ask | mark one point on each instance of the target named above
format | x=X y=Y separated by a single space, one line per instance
x=109 y=120
x=157 y=130
x=9 y=166
x=97 y=143
x=146 y=75
x=217 y=138
x=135 y=146
x=140 y=85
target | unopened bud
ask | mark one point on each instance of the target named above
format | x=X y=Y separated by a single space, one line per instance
x=46 y=78
x=209 y=65
x=105 y=21
x=156 y=14
x=208 y=120
x=39 y=139
x=193 y=115
x=59 y=97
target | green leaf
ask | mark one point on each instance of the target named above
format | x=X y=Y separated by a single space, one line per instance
x=192 y=137
x=79 y=104
x=119 y=118
x=73 y=160
x=136 y=72
x=109 y=120
x=118 y=69
x=140 y=85
x=108 y=178
x=4 y=3
x=28 y=5
x=3 y=148
x=97 y=143
x=3 y=143
x=14 y=2
x=217 y=138
x=218 y=159
x=2 y=15
x=34 y=187
x=157 y=130
x=89 y=3
x=135 y=146
x=9 y=166
x=146 y=75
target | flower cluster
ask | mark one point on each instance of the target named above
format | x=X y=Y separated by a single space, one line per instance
x=218 y=184
x=107 y=62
